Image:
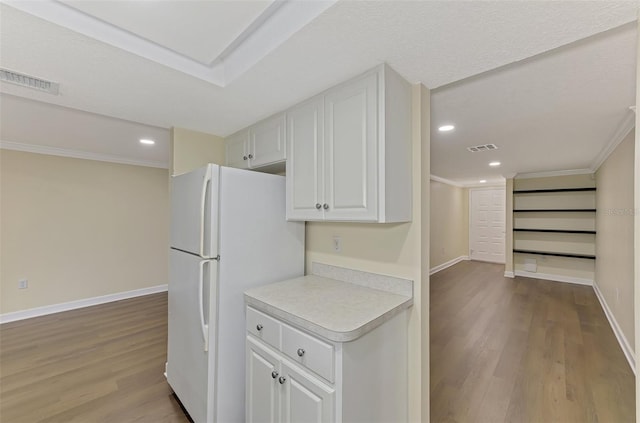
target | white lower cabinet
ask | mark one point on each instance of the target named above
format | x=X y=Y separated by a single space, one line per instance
x=295 y=377
x=280 y=391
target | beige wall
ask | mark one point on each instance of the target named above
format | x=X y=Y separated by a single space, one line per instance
x=614 y=241
x=449 y=223
x=391 y=249
x=78 y=229
x=191 y=150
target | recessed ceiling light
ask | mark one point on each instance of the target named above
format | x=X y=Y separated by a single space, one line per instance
x=147 y=141
x=446 y=128
x=494 y=164
x=483 y=181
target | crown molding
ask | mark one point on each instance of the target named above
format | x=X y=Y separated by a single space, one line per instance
x=625 y=127
x=445 y=181
x=553 y=173
x=79 y=154
x=277 y=23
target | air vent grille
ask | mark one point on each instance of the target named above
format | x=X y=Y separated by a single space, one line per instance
x=28 y=81
x=483 y=147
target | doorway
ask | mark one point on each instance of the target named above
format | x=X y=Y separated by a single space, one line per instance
x=487 y=224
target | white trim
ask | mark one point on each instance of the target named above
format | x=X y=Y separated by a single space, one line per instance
x=277 y=23
x=553 y=173
x=450 y=263
x=628 y=123
x=556 y=278
x=509 y=275
x=445 y=181
x=72 y=305
x=622 y=340
x=78 y=154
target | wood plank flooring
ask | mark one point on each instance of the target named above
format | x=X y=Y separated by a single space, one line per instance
x=96 y=364
x=523 y=350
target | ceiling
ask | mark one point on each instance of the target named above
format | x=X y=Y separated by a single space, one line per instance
x=498 y=69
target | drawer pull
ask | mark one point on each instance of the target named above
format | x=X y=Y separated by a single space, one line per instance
x=259 y=327
x=301 y=352
x=282 y=379
x=274 y=374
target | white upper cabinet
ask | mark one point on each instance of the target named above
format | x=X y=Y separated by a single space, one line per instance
x=349 y=152
x=259 y=145
x=237 y=146
x=305 y=185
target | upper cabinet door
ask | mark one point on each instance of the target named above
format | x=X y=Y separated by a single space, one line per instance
x=237 y=149
x=267 y=141
x=350 y=150
x=304 y=165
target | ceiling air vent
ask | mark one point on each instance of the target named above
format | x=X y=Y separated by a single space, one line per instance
x=21 y=79
x=484 y=147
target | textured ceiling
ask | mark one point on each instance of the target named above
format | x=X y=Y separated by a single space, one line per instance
x=434 y=42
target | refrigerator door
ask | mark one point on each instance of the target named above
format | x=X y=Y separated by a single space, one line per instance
x=194 y=211
x=192 y=307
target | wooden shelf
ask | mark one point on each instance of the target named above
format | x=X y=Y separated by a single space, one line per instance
x=548 y=253
x=531 y=191
x=553 y=210
x=555 y=231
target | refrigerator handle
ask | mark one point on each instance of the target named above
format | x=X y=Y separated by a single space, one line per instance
x=206 y=183
x=203 y=326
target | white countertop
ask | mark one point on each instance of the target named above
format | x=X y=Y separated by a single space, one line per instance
x=335 y=310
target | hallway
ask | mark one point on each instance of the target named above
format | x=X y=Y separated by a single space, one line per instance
x=522 y=350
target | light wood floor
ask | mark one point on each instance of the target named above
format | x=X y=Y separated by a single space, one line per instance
x=97 y=364
x=523 y=350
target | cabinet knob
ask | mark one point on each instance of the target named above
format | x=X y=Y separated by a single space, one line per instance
x=244 y=157
x=282 y=379
x=301 y=352
x=325 y=206
x=274 y=374
x=318 y=206
x=259 y=327
x=251 y=156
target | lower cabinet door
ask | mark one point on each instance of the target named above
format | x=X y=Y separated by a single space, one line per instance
x=263 y=389
x=305 y=399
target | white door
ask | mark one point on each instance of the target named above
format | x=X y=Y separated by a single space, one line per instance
x=350 y=151
x=305 y=399
x=263 y=387
x=188 y=355
x=487 y=224
x=267 y=141
x=304 y=163
x=237 y=149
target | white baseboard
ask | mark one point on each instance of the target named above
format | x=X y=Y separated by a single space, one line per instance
x=72 y=305
x=622 y=340
x=509 y=275
x=556 y=278
x=450 y=263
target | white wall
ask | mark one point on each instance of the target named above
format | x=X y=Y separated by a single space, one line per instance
x=614 y=241
x=78 y=229
x=449 y=223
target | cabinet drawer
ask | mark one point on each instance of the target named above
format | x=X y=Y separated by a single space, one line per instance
x=263 y=327
x=316 y=355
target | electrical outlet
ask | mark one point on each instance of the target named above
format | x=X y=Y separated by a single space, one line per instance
x=337 y=244
x=23 y=284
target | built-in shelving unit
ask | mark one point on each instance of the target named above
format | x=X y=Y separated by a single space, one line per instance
x=556 y=222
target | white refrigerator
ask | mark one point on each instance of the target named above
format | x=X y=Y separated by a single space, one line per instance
x=228 y=234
